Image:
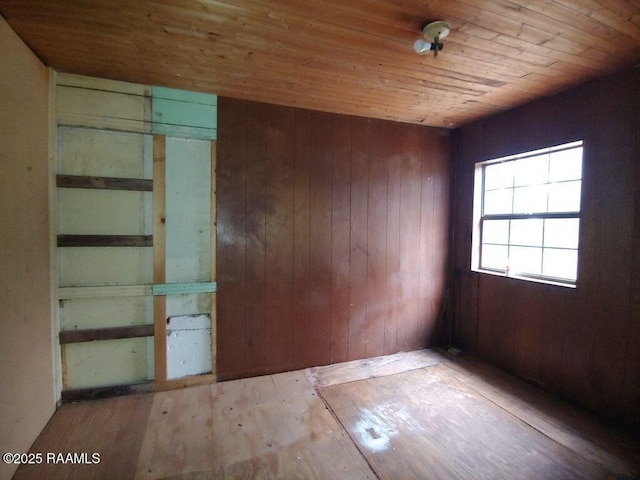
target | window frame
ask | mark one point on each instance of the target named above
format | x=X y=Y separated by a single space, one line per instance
x=479 y=217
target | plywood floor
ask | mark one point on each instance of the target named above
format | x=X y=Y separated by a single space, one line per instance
x=410 y=415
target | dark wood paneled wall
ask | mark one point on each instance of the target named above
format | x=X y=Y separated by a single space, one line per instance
x=582 y=343
x=332 y=237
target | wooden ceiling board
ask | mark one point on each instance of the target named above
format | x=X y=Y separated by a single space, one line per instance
x=352 y=57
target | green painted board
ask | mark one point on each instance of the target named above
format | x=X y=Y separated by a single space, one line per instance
x=184 y=114
x=184 y=288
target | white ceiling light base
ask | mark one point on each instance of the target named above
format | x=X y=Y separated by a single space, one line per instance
x=432 y=33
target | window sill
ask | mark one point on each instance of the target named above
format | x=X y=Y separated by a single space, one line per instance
x=525 y=278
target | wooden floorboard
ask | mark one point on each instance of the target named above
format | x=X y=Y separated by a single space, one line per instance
x=414 y=415
x=112 y=427
x=373 y=367
x=428 y=423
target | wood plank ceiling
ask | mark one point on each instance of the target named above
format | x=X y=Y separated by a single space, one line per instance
x=352 y=57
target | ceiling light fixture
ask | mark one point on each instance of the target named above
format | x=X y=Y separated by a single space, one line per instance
x=432 y=33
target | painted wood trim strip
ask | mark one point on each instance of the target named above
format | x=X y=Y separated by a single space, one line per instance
x=104 y=183
x=70 y=293
x=105 y=240
x=183 y=131
x=112 y=333
x=184 y=288
x=159 y=256
x=185 y=96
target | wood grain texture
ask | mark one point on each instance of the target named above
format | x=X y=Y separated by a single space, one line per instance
x=496 y=56
x=427 y=424
x=104 y=183
x=112 y=333
x=424 y=416
x=309 y=274
x=159 y=256
x=579 y=343
x=66 y=240
x=113 y=428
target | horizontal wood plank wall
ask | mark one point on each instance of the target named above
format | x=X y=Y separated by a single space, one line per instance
x=332 y=237
x=582 y=343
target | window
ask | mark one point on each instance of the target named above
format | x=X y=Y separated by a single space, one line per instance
x=527 y=214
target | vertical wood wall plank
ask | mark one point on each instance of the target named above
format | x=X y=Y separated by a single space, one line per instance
x=359 y=251
x=232 y=295
x=159 y=257
x=256 y=267
x=377 y=239
x=301 y=240
x=340 y=234
x=393 y=252
x=320 y=241
x=410 y=213
x=279 y=237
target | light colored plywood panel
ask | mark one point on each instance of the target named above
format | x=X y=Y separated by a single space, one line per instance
x=103 y=212
x=104 y=266
x=101 y=109
x=179 y=434
x=265 y=427
x=110 y=362
x=83 y=151
x=82 y=313
x=188 y=210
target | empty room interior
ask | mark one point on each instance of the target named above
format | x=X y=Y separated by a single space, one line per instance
x=320 y=239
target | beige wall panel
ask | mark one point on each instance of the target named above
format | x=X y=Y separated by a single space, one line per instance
x=188 y=210
x=27 y=398
x=109 y=362
x=93 y=83
x=82 y=313
x=104 y=266
x=103 y=212
x=102 y=109
x=191 y=304
x=84 y=151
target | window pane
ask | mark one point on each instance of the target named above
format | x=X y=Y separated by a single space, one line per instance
x=532 y=170
x=526 y=232
x=561 y=232
x=494 y=257
x=498 y=201
x=564 y=197
x=495 y=231
x=530 y=199
x=525 y=260
x=498 y=175
x=560 y=263
x=566 y=165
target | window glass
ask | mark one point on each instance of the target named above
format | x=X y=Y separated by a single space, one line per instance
x=498 y=201
x=531 y=170
x=525 y=260
x=561 y=232
x=496 y=231
x=526 y=232
x=560 y=263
